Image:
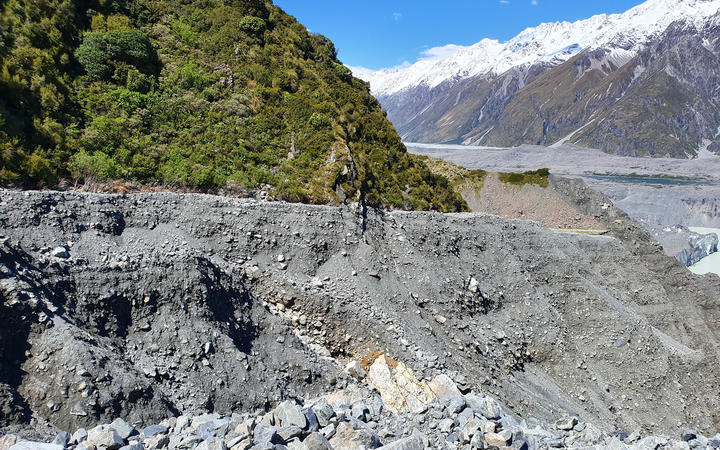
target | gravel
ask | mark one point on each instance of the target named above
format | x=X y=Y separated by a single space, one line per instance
x=171 y=306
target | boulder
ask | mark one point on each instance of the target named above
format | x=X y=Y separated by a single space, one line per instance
x=122 y=428
x=323 y=411
x=105 y=438
x=290 y=414
x=28 y=445
x=501 y=439
x=409 y=443
x=485 y=406
x=399 y=388
x=266 y=434
x=444 y=388
x=348 y=437
x=316 y=441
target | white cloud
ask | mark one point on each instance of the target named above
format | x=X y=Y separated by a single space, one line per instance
x=440 y=52
x=534 y=2
x=504 y=2
x=366 y=74
x=397 y=16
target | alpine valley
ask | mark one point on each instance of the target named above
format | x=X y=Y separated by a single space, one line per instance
x=641 y=83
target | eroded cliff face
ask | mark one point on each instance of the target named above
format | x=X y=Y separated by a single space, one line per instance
x=163 y=303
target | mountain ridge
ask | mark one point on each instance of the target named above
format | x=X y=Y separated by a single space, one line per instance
x=635 y=98
x=551 y=41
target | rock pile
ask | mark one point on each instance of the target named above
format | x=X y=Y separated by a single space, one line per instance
x=162 y=305
x=370 y=414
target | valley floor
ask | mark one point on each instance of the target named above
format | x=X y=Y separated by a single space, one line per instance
x=665 y=195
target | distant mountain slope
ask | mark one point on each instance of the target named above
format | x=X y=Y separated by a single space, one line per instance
x=227 y=95
x=639 y=83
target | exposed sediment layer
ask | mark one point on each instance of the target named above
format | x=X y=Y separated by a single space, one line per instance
x=160 y=304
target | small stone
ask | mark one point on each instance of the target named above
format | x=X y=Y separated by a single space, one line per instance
x=266 y=434
x=440 y=319
x=316 y=441
x=409 y=443
x=152 y=430
x=485 y=406
x=157 y=442
x=212 y=444
x=79 y=436
x=688 y=435
x=471 y=427
x=355 y=370
x=359 y=411
x=444 y=388
x=324 y=412
x=8 y=441
x=60 y=252
x=62 y=439
x=28 y=445
x=312 y=420
x=347 y=437
x=496 y=439
x=290 y=432
x=446 y=425
x=105 y=438
x=566 y=424
x=473 y=285
x=281 y=339
x=455 y=405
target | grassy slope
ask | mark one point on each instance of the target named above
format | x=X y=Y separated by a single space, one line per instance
x=203 y=94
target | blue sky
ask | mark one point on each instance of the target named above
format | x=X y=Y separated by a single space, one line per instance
x=385 y=33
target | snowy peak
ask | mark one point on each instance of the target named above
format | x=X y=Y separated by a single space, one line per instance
x=551 y=43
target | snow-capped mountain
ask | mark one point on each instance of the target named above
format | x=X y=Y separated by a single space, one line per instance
x=556 y=42
x=644 y=82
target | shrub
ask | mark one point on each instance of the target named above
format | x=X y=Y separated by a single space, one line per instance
x=319 y=121
x=343 y=72
x=101 y=52
x=84 y=165
x=252 y=24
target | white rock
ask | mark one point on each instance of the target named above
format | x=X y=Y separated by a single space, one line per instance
x=355 y=370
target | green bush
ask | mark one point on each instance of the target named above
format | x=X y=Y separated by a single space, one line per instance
x=319 y=121
x=538 y=177
x=100 y=53
x=251 y=24
x=97 y=165
x=245 y=97
x=343 y=72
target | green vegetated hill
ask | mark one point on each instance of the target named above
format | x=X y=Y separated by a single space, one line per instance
x=205 y=94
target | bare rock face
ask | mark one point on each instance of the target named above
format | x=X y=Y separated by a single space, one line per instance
x=174 y=304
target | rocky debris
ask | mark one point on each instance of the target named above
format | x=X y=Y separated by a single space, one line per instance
x=60 y=252
x=355 y=370
x=178 y=311
x=438 y=426
x=701 y=246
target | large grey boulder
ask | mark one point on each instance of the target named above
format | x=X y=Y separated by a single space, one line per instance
x=290 y=414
